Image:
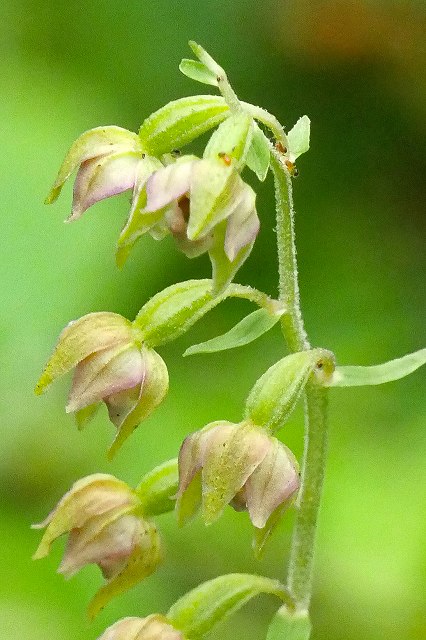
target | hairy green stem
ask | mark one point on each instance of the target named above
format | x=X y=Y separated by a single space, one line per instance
x=300 y=568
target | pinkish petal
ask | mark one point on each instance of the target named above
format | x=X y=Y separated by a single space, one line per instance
x=109 y=538
x=243 y=224
x=102 y=178
x=168 y=184
x=274 y=481
x=91 y=496
x=95 y=143
x=80 y=338
x=103 y=374
x=125 y=629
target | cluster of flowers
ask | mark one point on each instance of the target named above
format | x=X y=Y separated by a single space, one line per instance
x=207 y=207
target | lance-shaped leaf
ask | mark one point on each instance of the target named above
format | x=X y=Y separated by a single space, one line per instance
x=157 y=489
x=377 y=374
x=298 y=138
x=198 y=611
x=247 y=330
x=232 y=139
x=95 y=143
x=181 y=121
x=259 y=153
x=289 y=624
x=275 y=394
x=198 y=71
x=206 y=59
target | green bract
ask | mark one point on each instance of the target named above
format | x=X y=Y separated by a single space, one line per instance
x=250 y=328
x=181 y=121
x=259 y=154
x=275 y=394
x=377 y=374
x=298 y=138
x=197 y=612
x=198 y=71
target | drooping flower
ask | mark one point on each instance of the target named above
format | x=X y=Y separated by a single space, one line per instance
x=237 y=464
x=206 y=206
x=111 y=365
x=109 y=160
x=153 y=627
x=102 y=517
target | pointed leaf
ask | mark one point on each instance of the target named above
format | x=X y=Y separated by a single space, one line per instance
x=248 y=329
x=298 y=137
x=289 y=625
x=206 y=58
x=378 y=374
x=198 y=71
x=259 y=154
x=197 y=612
x=157 y=489
x=181 y=121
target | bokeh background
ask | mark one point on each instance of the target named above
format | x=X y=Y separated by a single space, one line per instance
x=357 y=69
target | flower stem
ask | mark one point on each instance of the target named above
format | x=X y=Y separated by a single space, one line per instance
x=300 y=568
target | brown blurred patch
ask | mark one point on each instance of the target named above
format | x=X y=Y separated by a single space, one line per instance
x=344 y=31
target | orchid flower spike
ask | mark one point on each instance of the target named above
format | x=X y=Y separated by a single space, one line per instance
x=102 y=516
x=236 y=464
x=111 y=365
x=109 y=160
x=153 y=627
x=206 y=206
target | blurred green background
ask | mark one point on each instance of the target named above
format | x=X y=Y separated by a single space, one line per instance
x=357 y=69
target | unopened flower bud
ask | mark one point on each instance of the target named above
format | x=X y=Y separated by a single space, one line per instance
x=102 y=516
x=111 y=365
x=238 y=464
x=153 y=627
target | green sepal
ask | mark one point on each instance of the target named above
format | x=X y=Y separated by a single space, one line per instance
x=275 y=394
x=143 y=561
x=198 y=611
x=181 y=121
x=232 y=138
x=247 y=330
x=198 y=71
x=298 y=137
x=378 y=374
x=157 y=489
x=288 y=624
x=223 y=268
x=259 y=153
x=96 y=142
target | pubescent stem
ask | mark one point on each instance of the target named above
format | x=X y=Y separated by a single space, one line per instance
x=300 y=569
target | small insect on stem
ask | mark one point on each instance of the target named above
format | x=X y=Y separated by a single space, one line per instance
x=280 y=147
